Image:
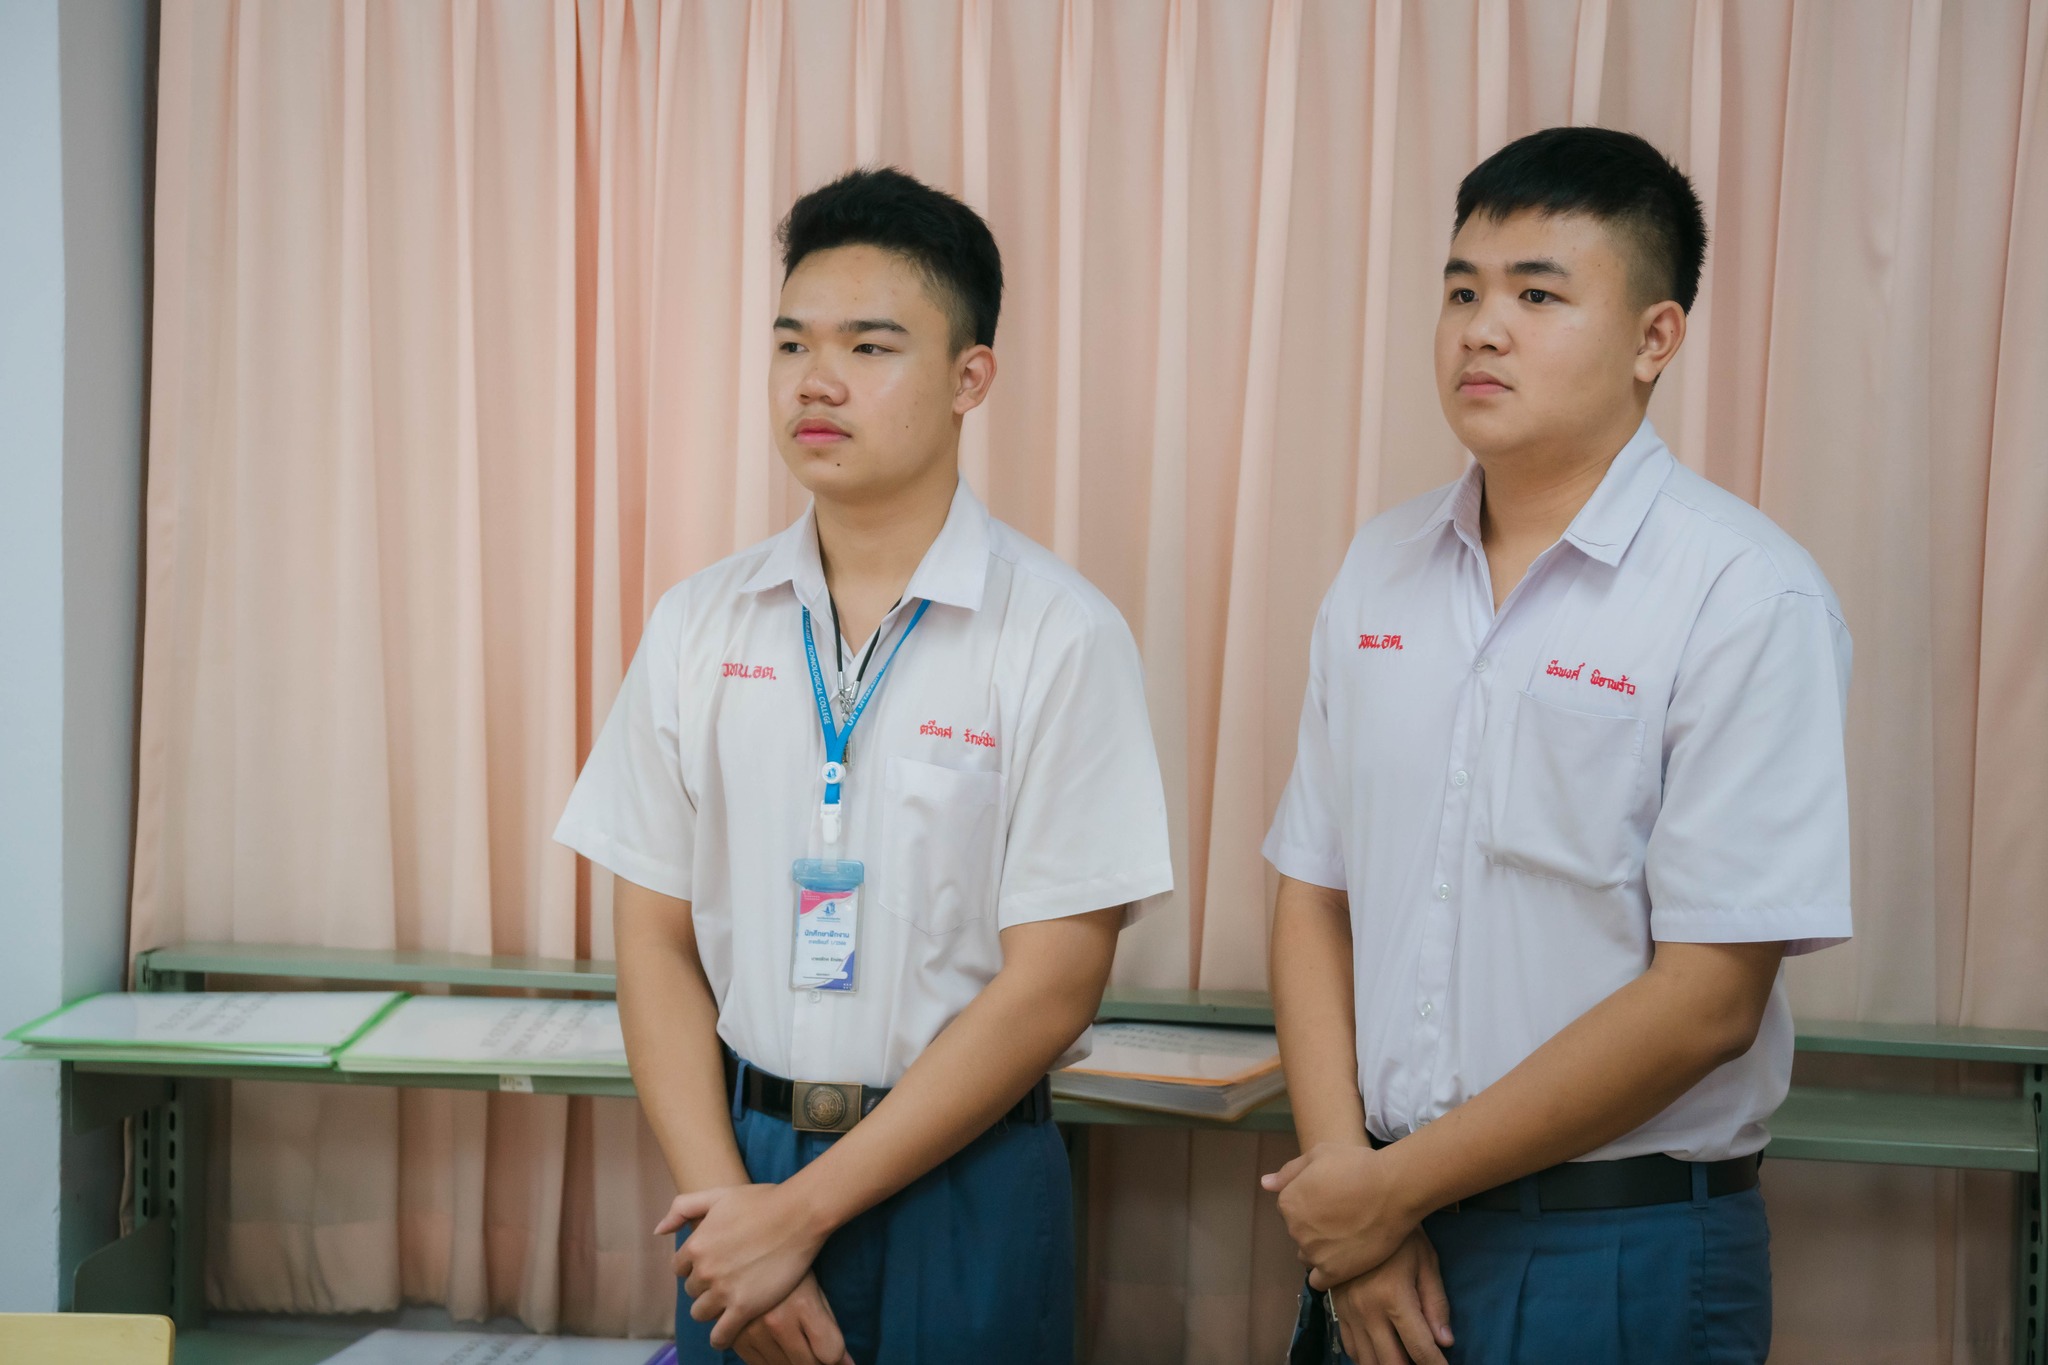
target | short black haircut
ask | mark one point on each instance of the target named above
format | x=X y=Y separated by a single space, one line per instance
x=1615 y=177
x=946 y=240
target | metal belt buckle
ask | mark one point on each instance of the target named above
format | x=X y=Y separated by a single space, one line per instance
x=823 y=1106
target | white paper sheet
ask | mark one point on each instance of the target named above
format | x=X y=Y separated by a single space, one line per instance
x=457 y=1033
x=392 y=1347
x=1185 y=1054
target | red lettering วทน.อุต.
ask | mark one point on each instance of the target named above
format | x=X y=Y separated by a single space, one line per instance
x=746 y=671
x=1379 y=642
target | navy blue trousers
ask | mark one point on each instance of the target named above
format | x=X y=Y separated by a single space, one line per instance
x=1673 y=1284
x=972 y=1262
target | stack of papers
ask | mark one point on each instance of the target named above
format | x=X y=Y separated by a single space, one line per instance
x=487 y=1035
x=392 y=1347
x=244 y=1028
x=1194 y=1069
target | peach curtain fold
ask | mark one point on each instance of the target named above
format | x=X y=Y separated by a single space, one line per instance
x=1233 y=952
x=460 y=332
x=1077 y=76
x=1379 y=252
x=1703 y=163
x=974 y=55
x=1156 y=951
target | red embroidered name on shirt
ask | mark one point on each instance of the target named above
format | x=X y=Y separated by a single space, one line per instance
x=1599 y=679
x=1620 y=684
x=1379 y=642
x=980 y=739
x=746 y=671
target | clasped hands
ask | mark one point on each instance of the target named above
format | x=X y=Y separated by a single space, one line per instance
x=1364 y=1244
x=746 y=1266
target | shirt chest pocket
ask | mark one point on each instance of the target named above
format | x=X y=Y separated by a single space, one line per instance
x=1565 y=803
x=939 y=844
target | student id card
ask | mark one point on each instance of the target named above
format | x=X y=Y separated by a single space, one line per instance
x=827 y=924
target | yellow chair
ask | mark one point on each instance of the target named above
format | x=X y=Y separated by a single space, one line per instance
x=84 y=1339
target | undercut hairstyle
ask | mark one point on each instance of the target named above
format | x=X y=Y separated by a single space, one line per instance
x=947 y=241
x=1614 y=177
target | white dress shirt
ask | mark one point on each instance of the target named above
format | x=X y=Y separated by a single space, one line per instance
x=1003 y=774
x=1643 y=744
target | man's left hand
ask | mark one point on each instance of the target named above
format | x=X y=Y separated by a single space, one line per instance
x=1343 y=1210
x=750 y=1247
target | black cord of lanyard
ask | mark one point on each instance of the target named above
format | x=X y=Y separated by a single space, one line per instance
x=839 y=649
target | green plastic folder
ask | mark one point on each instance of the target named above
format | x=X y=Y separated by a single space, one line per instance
x=250 y=1028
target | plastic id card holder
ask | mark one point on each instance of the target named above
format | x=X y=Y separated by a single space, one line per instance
x=827 y=924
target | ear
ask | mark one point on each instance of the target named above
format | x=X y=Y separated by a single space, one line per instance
x=974 y=373
x=1661 y=331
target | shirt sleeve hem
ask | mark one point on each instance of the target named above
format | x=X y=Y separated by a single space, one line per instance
x=1082 y=897
x=1291 y=860
x=1803 y=929
x=635 y=867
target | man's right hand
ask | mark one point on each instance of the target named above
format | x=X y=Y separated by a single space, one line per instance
x=1399 y=1312
x=798 y=1331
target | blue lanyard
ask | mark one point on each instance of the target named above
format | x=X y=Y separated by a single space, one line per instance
x=835 y=738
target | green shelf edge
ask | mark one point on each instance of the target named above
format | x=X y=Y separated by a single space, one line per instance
x=1959 y=1132
x=1935 y=1042
x=2021 y=1047
x=1822 y=1124
x=1815 y=1124
x=602 y=1086
x=1274 y=1116
x=385 y=965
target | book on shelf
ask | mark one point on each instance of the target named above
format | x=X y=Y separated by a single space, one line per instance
x=244 y=1028
x=492 y=1035
x=1201 y=1070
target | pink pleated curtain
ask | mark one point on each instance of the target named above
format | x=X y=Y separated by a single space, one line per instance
x=460 y=343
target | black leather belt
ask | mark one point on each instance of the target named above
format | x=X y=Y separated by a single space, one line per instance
x=1631 y=1183
x=835 y=1106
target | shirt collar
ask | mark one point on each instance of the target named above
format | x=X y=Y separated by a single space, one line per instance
x=954 y=570
x=1608 y=522
x=1459 y=507
x=1604 y=527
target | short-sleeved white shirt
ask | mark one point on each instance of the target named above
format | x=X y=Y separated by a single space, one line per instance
x=1644 y=744
x=1003 y=773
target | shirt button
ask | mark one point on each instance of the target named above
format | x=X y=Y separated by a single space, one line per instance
x=1460 y=778
x=1425 y=1009
x=1479 y=666
x=815 y=997
x=1443 y=891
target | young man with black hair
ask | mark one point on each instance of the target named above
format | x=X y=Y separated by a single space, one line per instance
x=880 y=792
x=1570 y=786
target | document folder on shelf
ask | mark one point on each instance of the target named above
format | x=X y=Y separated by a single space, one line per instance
x=492 y=1035
x=1200 y=1070
x=244 y=1028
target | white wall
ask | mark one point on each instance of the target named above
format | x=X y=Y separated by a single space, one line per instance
x=76 y=105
